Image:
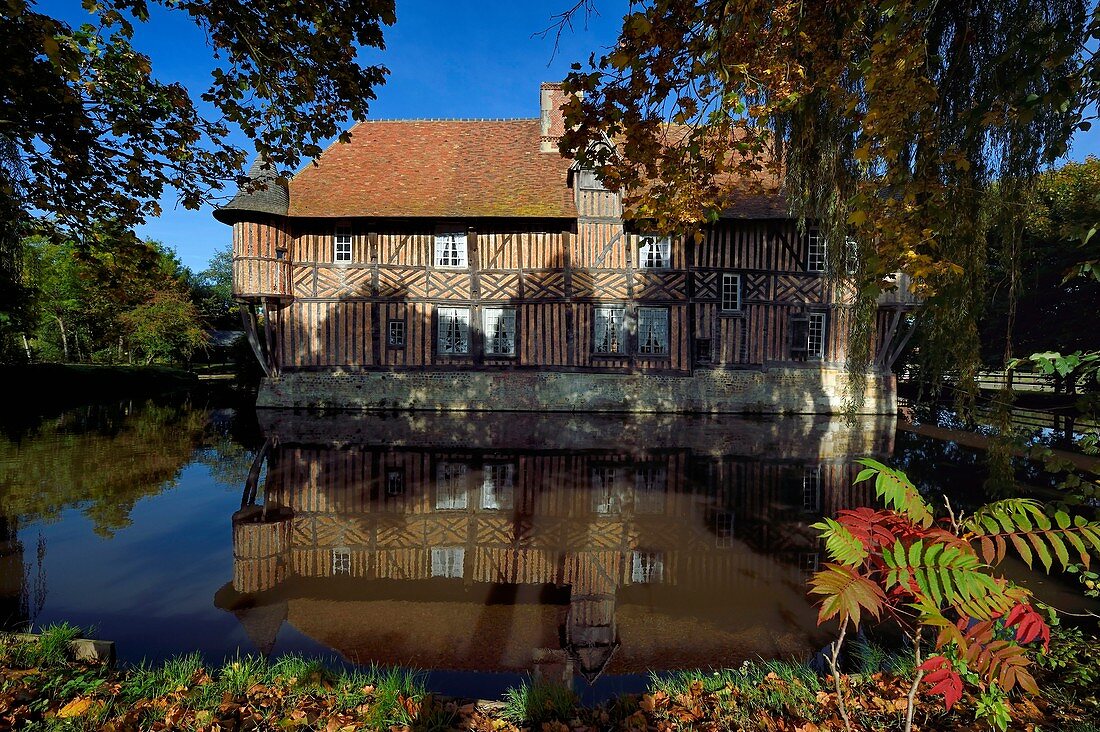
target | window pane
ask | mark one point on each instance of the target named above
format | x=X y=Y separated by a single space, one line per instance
x=731 y=291
x=341 y=561
x=815 y=339
x=815 y=261
x=450 y=249
x=498 y=486
x=447 y=561
x=608 y=336
x=606 y=490
x=500 y=331
x=342 y=244
x=450 y=486
x=454 y=330
x=653 y=252
x=647 y=567
x=395 y=334
x=650 y=484
x=653 y=331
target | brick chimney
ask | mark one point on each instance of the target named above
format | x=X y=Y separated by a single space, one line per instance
x=551 y=98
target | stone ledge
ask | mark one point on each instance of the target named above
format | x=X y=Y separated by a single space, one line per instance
x=768 y=391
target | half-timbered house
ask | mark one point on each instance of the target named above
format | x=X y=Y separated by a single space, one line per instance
x=465 y=264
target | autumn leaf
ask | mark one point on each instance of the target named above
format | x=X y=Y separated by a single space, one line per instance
x=943 y=679
x=845 y=594
x=76 y=708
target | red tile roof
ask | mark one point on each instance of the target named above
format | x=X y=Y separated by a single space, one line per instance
x=437 y=169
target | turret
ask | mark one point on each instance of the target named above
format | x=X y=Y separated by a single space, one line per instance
x=261 y=235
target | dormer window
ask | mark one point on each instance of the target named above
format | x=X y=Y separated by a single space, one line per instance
x=342 y=244
x=450 y=250
x=653 y=252
x=587 y=180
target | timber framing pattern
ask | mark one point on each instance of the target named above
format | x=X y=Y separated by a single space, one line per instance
x=346 y=265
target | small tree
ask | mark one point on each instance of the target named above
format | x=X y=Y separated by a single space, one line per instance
x=925 y=572
x=166 y=328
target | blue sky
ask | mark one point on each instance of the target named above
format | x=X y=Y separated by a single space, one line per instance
x=446 y=59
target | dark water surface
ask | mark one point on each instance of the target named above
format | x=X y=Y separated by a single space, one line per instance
x=479 y=547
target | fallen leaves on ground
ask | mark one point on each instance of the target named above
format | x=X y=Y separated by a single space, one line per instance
x=874 y=702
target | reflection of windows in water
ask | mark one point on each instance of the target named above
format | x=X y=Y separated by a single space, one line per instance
x=447 y=561
x=723 y=529
x=498 y=486
x=647 y=567
x=811 y=488
x=450 y=485
x=809 y=562
x=650 y=484
x=395 y=482
x=605 y=490
x=341 y=561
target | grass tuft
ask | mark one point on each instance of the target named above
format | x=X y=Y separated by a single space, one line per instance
x=537 y=703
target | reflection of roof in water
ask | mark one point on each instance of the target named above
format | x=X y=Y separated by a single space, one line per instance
x=656 y=627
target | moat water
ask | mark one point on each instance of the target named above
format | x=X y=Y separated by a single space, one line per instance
x=479 y=548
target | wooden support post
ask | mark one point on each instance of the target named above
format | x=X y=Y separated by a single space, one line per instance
x=888 y=338
x=889 y=363
x=248 y=319
x=269 y=337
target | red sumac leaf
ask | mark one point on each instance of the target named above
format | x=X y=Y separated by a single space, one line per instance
x=943 y=679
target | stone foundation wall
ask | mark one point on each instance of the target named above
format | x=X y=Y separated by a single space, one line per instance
x=795 y=390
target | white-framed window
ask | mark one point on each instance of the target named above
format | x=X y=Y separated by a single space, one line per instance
x=723 y=530
x=731 y=292
x=650 y=486
x=851 y=256
x=815 y=336
x=341 y=247
x=654 y=251
x=395 y=334
x=447 y=561
x=454 y=331
x=608 y=329
x=451 y=486
x=498 y=486
x=500 y=331
x=450 y=250
x=815 y=250
x=647 y=567
x=341 y=561
x=606 y=493
x=811 y=488
x=653 y=331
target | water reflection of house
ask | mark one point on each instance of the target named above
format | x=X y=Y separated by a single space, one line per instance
x=619 y=545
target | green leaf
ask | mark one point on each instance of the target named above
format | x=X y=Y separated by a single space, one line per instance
x=840 y=543
x=845 y=594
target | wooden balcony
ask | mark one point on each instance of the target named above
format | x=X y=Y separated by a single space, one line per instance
x=261 y=277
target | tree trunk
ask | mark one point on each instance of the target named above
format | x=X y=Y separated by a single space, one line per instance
x=64 y=336
x=26 y=347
